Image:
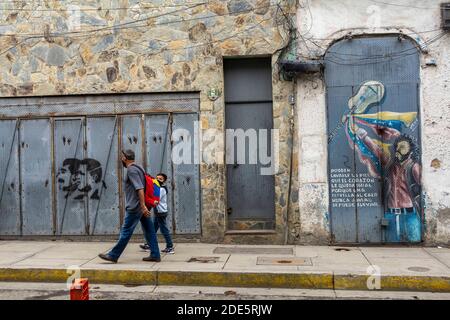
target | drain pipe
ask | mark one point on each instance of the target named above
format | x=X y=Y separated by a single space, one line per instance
x=292 y=102
x=290 y=70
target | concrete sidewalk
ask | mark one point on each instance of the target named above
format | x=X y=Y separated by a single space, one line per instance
x=198 y=264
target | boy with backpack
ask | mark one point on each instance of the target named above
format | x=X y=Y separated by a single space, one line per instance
x=161 y=213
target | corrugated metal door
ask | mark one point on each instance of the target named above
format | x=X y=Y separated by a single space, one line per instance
x=372 y=98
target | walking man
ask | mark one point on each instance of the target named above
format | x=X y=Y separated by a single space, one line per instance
x=136 y=211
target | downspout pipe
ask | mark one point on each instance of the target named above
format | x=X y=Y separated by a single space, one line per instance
x=290 y=70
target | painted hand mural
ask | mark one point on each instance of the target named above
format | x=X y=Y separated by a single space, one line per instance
x=390 y=156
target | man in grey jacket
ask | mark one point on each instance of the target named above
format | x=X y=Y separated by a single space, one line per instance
x=136 y=211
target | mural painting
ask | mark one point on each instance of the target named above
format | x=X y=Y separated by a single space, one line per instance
x=70 y=176
x=390 y=156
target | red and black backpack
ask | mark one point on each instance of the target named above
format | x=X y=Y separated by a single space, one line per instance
x=151 y=189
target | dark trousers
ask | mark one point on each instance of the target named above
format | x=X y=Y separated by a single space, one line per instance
x=130 y=223
x=161 y=222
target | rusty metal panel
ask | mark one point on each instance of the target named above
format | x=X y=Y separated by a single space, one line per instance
x=72 y=168
x=9 y=178
x=36 y=174
x=102 y=152
x=158 y=148
x=186 y=175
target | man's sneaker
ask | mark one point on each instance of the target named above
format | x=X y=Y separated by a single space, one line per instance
x=107 y=258
x=144 y=246
x=169 y=250
x=151 y=259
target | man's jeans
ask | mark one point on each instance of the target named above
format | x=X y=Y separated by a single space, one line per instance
x=130 y=223
x=403 y=227
x=160 y=222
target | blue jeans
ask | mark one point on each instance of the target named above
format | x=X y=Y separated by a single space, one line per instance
x=403 y=227
x=130 y=223
x=160 y=222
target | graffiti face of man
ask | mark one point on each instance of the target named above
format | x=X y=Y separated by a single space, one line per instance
x=71 y=178
x=403 y=150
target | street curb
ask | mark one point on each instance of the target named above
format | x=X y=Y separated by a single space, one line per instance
x=247 y=279
x=394 y=283
x=231 y=279
x=132 y=277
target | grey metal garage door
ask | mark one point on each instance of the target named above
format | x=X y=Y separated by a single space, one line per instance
x=61 y=175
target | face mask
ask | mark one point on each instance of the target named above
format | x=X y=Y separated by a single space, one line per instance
x=401 y=157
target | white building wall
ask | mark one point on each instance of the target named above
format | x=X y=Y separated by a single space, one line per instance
x=322 y=22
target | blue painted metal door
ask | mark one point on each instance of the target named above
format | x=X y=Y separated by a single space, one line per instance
x=374 y=140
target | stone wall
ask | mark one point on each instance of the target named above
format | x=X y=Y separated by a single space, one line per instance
x=121 y=46
x=329 y=21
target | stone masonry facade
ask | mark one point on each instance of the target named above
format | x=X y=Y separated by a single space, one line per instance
x=153 y=46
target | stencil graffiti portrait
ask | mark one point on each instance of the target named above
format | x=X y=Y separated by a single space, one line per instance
x=70 y=175
x=389 y=155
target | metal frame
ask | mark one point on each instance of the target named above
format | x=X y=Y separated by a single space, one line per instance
x=80 y=108
x=85 y=105
x=232 y=99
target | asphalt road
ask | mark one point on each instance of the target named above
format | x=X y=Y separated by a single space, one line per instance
x=51 y=291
